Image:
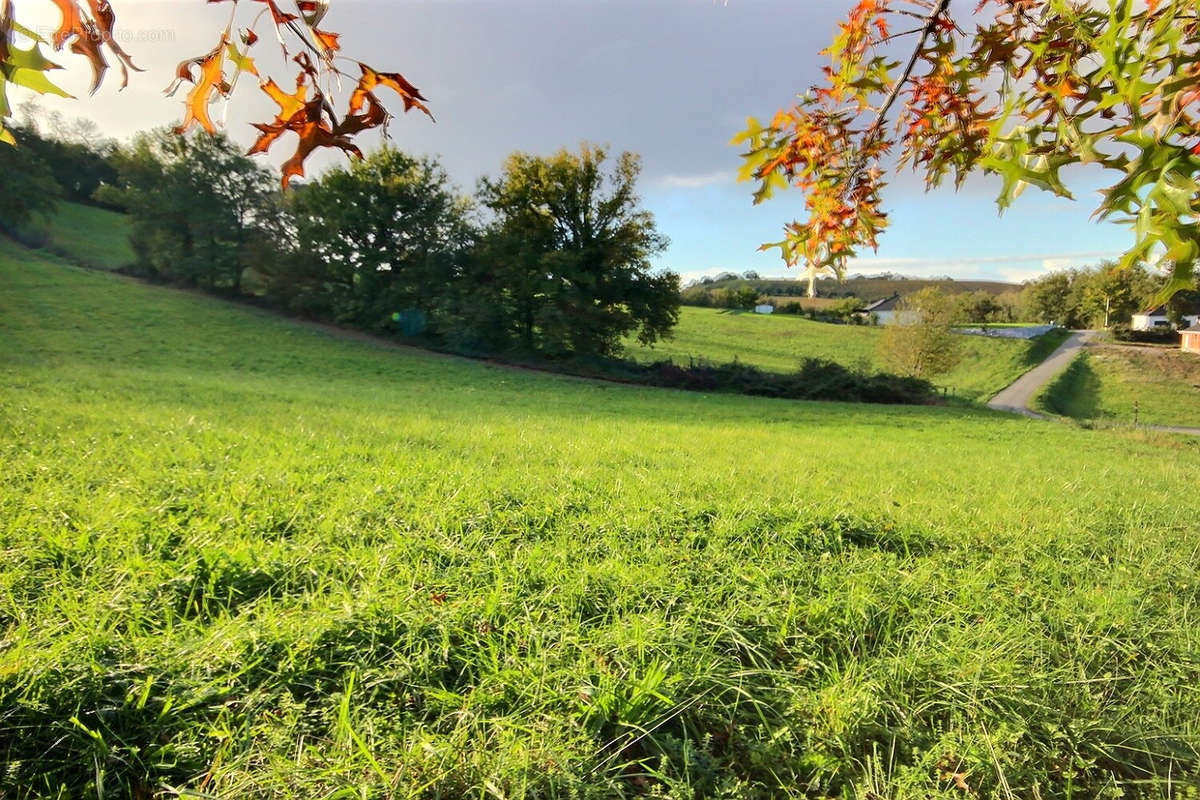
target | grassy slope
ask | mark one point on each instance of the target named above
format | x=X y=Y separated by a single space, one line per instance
x=1104 y=384
x=779 y=342
x=87 y=235
x=250 y=559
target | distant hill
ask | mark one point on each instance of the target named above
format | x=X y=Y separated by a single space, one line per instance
x=868 y=288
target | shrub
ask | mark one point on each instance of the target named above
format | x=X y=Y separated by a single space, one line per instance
x=1123 y=333
x=815 y=379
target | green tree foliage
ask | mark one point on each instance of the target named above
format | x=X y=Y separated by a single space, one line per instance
x=74 y=151
x=387 y=245
x=921 y=342
x=564 y=265
x=1098 y=297
x=27 y=185
x=202 y=212
x=1049 y=299
x=746 y=297
x=980 y=306
x=382 y=236
x=1108 y=295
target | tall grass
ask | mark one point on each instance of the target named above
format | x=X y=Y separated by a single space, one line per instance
x=246 y=559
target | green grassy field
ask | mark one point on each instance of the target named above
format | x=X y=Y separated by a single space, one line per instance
x=778 y=342
x=1104 y=384
x=94 y=237
x=244 y=558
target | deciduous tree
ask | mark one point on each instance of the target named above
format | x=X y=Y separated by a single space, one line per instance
x=920 y=342
x=1110 y=294
x=27 y=187
x=381 y=236
x=310 y=111
x=200 y=208
x=1022 y=89
x=1049 y=299
x=568 y=253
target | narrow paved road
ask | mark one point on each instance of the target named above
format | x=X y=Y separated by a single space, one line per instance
x=1017 y=397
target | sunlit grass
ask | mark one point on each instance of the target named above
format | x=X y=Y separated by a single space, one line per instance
x=87 y=235
x=1115 y=384
x=779 y=342
x=245 y=558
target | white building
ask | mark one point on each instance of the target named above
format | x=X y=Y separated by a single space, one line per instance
x=882 y=312
x=1150 y=319
x=1156 y=318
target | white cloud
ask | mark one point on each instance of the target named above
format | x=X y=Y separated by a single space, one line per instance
x=697 y=181
x=1014 y=268
x=1021 y=274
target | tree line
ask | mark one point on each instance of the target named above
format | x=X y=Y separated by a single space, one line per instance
x=550 y=257
x=55 y=159
x=1104 y=296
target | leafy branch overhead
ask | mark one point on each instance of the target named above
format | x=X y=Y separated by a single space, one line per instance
x=309 y=110
x=1023 y=89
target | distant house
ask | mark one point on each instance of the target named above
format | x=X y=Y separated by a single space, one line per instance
x=883 y=312
x=1150 y=319
x=1156 y=318
x=765 y=308
x=1190 y=339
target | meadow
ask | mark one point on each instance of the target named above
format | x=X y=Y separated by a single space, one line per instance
x=778 y=342
x=246 y=558
x=88 y=235
x=1108 y=382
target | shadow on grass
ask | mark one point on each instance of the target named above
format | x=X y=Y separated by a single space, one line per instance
x=1076 y=392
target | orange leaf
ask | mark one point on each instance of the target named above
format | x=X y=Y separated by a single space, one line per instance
x=212 y=81
x=328 y=41
x=392 y=80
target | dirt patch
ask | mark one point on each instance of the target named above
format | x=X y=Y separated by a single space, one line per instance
x=1164 y=363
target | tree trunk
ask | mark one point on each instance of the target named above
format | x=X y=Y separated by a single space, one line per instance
x=527 y=326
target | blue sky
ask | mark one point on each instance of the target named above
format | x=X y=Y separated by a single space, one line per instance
x=672 y=80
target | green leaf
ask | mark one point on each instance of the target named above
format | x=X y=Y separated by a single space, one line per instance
x=27 y=33
x=30 y=59
x=753 y=131
x=35 y=81
x=1183 y=279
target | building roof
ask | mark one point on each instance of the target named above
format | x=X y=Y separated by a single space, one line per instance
x=1161 y=310
x=886 y=304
